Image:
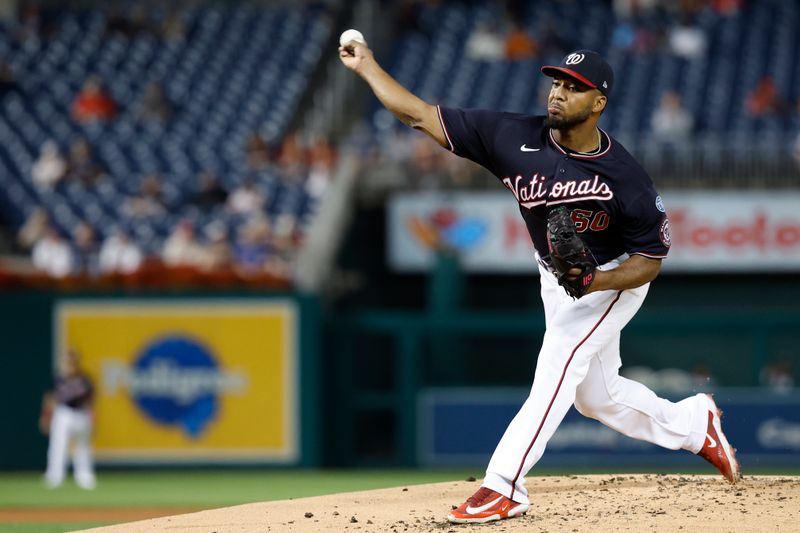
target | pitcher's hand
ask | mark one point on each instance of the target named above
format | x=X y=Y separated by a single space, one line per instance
x=354 y=55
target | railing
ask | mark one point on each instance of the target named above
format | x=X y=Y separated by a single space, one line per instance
x=152 y=275
x=412 y=335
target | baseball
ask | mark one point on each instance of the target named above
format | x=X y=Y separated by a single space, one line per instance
x=351 y=35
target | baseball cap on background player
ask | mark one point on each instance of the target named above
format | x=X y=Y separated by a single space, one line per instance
x=586 y=66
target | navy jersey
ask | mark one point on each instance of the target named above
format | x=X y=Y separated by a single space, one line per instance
x=74 y=391
x=613 y=202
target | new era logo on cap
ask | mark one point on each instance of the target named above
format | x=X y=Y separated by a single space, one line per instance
x=586 y=66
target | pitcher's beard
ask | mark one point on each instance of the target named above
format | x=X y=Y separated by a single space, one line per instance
x=565 y=123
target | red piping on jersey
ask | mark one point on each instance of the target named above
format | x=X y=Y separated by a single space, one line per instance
x=558 y=387
x=444 y=129
x=583 y=156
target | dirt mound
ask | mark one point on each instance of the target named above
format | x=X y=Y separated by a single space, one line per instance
x=642 y=502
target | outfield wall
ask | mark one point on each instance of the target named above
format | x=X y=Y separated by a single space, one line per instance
x=179 y=379
x=764 y=426
x=272 y=381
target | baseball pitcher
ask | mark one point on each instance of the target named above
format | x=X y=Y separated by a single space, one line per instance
x=600 y=232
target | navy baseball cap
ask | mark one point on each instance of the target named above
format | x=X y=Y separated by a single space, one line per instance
x=586 y=66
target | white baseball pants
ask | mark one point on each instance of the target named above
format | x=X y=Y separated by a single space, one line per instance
x=579 y=364
x=70 y=426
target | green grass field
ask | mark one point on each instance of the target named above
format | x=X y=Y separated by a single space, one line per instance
x=211 y=488
x=201 y=489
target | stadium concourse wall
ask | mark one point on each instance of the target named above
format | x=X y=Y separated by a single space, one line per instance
x=182 y=378
x=422 y=350
x=384 y=378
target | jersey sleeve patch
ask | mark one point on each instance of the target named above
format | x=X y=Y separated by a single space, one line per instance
x=646 y=226
x=664 y=234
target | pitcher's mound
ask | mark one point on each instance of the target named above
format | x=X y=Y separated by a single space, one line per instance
x=644 y=502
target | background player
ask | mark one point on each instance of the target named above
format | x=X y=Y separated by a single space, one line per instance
x=67 y=417
x=564 y=159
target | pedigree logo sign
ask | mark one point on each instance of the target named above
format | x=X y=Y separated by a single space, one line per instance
x=189 y=381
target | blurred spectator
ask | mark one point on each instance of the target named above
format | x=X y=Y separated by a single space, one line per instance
x=119 y=255
x=154 y=105
x=181 y=249
x=82 y=166
x=485 y=43
x=8 y=81
x=33 y=229
x=86 y=250
x=425 y=165
x=321 y=159
x=408 y=15
x=283 y=246
x=52 y=255
x=726 y=8
x=778 y=376
x=293 y=158
x=129 y=21
x=148 y=203
x=245 y=199
x=49 y=168
x=635 y=35
x=218 y=250
x=209 y=193
x=93 y=103
x=520 y=45
x=687 y=40
x=764 y=100
x=671 y=122
x=173 y=27
x=252 y=248
x=463 y=174
x=31 y=25
x=258 y=153
x=624 y=35
x=626 y=9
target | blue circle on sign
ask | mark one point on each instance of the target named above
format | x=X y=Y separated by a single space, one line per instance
x=175 y=379
x=465 y=234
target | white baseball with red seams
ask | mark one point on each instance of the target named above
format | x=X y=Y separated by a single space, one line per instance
x=579 y=364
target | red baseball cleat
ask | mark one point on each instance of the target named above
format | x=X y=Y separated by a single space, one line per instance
x=486 y=505
x=716 y=449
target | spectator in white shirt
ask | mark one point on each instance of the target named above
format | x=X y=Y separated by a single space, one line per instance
x=245 y=199
x=119 y=255
x=182 y=249
x=49 y=168
x=671 y=122
x=687 y=41
x=52 y=255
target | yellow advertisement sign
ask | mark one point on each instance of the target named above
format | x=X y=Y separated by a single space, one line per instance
x=190 y=380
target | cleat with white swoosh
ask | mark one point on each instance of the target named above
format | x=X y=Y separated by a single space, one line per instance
x=486 y=505
x=716 y=448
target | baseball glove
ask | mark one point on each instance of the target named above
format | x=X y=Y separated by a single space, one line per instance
x=568 y=251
